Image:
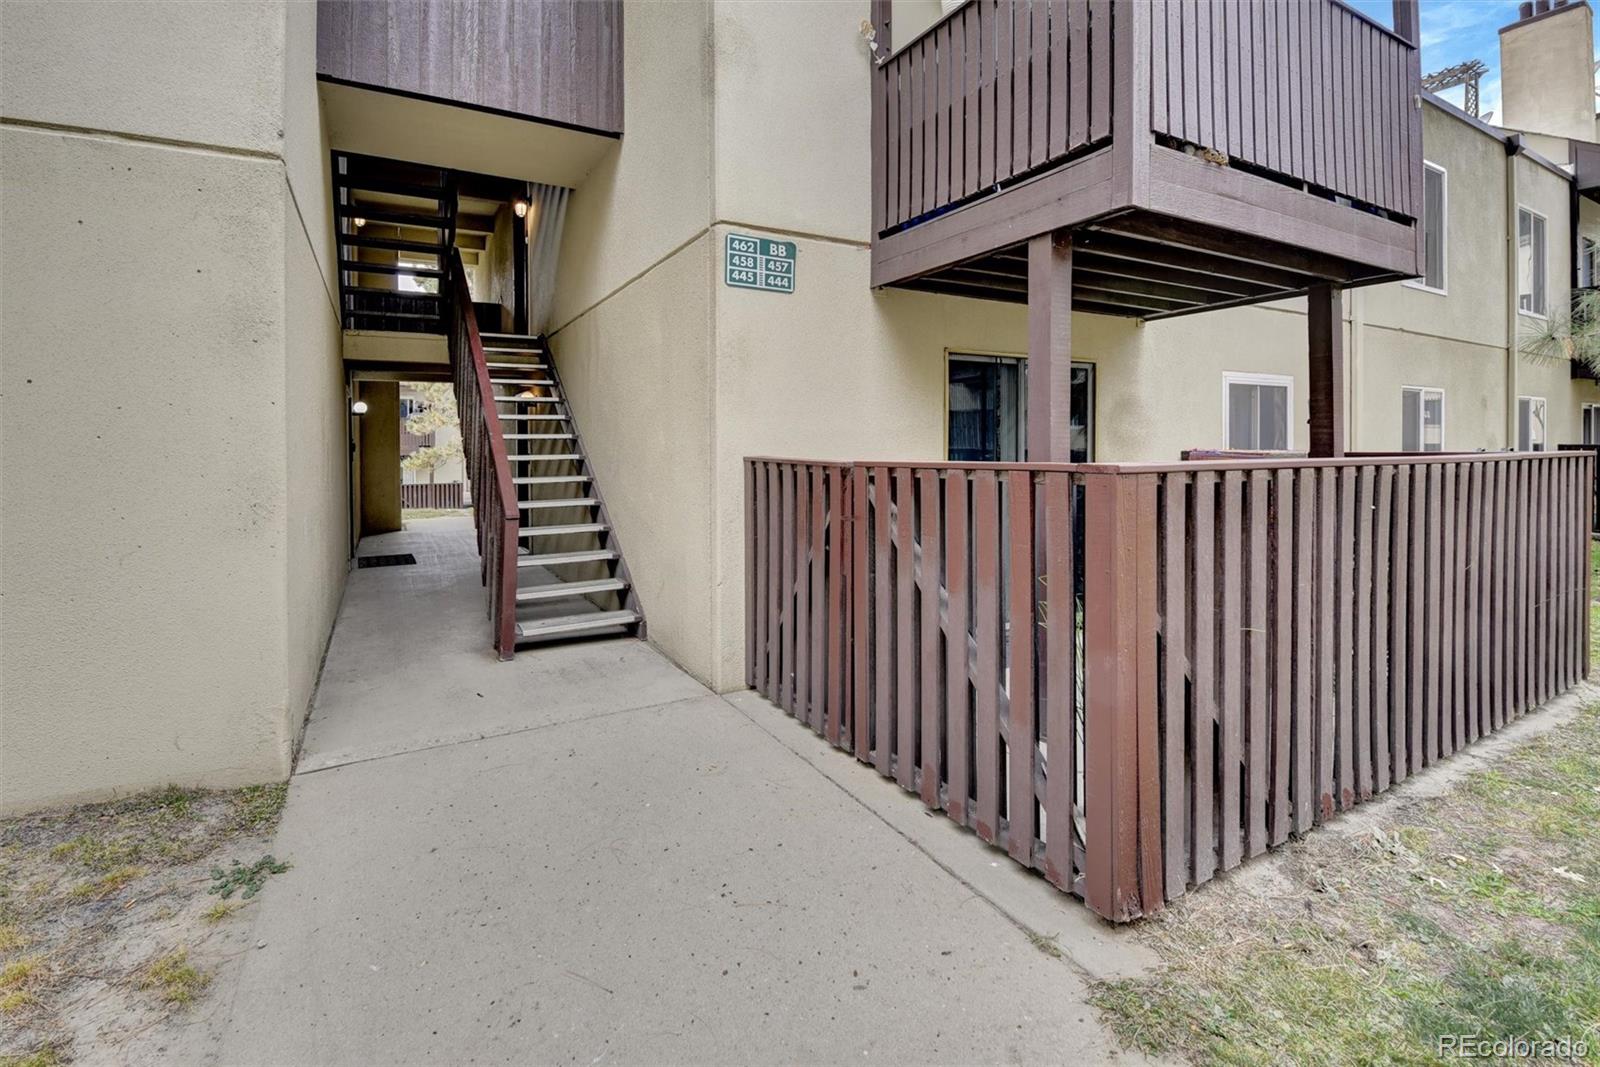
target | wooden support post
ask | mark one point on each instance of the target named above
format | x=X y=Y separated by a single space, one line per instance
x=1124 y=875
x=1050 y=348
x=1406 y=20
x=1325 y=333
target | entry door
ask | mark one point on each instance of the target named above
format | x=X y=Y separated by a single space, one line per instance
x=988 y=410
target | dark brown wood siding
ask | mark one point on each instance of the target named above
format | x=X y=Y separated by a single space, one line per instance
x=553 y=60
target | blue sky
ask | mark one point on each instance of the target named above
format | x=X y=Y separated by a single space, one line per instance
x=1454 y=31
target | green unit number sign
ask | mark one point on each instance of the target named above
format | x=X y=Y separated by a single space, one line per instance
x=758 y=263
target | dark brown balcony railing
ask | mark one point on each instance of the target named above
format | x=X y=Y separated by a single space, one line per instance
x=994 y=91
x=1312 y=91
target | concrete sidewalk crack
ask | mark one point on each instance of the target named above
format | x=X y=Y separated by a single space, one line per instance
x=495 y=735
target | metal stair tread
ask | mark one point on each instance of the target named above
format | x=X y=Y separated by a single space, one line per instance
x=550 y=479
x=552 y=457
x=520 y=381
x=568 y=624
x=563 y=590
x=564 y=502
x=527 y=399
x=557 y=559
x=560 y=531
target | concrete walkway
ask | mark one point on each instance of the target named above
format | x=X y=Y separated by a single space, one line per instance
x=584 y=856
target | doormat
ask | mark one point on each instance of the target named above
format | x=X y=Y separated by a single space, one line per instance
x=405 y=559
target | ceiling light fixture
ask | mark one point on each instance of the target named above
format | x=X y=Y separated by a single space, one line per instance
x=521 y=208
x=360 y=222
x=358 y=408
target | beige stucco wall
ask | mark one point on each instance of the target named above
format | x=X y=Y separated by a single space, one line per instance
x=1547 y=74
x=162 y=622
x=650 y=193
x=637 y=373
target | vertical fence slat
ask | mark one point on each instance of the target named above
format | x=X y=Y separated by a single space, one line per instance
x=883 y=667
x=1305 y=683
x=1382 y=599
x=1231 y=710
x=1256 y=646
x=1203 y=628
x=957 y=700
x=1399 y=697
x=1175 y=670
x=931 y=729
x=904 y=744
x=1020 y=618
x=756 y=577
x=1327 y=715
x=816 y=583
x=800 y=623
x=986 y=587
x=1061 y=692
x=1361 y=674
x=1281 y=652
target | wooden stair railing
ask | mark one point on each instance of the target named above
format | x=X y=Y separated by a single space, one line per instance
x=493 y=492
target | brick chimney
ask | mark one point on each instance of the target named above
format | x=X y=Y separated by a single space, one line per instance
x=1547 y=70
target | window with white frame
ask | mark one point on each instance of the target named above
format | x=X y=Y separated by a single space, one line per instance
x=1421 y=419
x=1435 y=228
x=1588 y=263
x=1532 y=262
x=1530 y=423
x=1257 y=408
x=1591 y=424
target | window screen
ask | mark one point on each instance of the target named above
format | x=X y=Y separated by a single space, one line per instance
x=1433 y=226
x=1258 y=415
x=1531 y=262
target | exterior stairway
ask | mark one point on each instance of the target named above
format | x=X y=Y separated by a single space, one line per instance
x=572 y=580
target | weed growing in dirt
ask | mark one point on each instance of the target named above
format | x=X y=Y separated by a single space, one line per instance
x=225 y=883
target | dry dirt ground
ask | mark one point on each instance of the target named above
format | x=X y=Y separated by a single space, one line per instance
x=114 y=918
x=1469 y=909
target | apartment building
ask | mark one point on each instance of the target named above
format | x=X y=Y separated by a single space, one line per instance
x=681 y=223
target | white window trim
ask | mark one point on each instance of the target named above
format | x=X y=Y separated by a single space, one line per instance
x=1544 y=445
x=1517 y=236
x=1425 y=389
x=1444 y=238
x=1231 y=378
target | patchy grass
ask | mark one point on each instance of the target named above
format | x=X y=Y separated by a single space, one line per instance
x=174 y=979
x=104 y=928
x=1476 y=913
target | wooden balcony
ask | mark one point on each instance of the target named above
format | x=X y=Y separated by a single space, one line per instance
x=1195 y=153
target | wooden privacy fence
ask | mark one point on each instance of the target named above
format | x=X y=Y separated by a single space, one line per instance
x=433 y=495
x=1594 y=496
x=1131 y=677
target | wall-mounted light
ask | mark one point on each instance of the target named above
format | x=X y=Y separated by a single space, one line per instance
x=359 y=222
x=358 y=408
x=521 y=208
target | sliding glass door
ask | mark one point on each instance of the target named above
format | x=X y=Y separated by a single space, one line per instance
x=988 y=410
